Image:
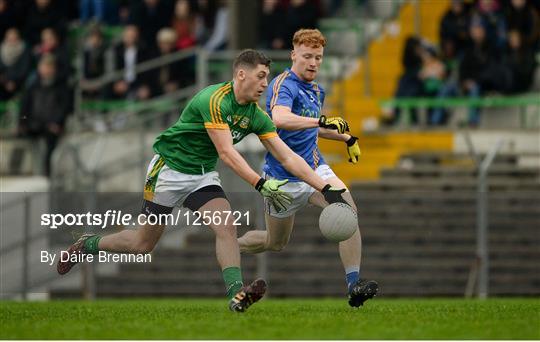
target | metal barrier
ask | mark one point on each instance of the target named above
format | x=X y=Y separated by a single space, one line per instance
x=479 y=272
x=482 y=224
x=24 y=243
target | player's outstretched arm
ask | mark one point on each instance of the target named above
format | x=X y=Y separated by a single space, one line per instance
x=284 y=118
x=223 y=142
x=298 y=167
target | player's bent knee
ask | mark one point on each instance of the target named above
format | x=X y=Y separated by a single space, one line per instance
x=225 y=231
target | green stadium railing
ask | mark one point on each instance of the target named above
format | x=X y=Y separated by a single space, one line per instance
x=521 y=101
x=8 y=106
x=105 y=106
x=119 y=105
x=405 y=104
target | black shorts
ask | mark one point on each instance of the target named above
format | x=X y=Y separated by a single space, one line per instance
x=194 y=201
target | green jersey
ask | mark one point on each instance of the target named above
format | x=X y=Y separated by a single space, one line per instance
x=186 y=146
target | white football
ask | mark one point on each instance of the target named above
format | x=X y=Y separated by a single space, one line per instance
x=338 y=222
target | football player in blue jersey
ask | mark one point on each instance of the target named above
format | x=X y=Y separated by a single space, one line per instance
x=295 y=103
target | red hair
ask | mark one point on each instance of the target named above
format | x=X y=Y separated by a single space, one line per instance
x=309 y=37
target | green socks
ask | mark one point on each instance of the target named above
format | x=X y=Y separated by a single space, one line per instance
x=233 y=280
x=91 y=244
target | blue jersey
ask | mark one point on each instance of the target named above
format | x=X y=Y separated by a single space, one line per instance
x=304 y=99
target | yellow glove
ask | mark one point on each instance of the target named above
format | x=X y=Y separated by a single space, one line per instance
x=353 y=149
x=334 y=122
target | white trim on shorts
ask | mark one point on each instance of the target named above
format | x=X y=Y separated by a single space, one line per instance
x=173 y=187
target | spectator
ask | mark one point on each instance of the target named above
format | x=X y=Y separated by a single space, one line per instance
x=219 y=37
x=520 y=60
x=122 y=14
x=454 y=28
x=15 y=63
x=40 y=16
x=7 y=17
x=477 y=71
x=184 y=25
x=45 y=106
x=167 y=78
x=450 y=84
x=205 y=16
x=96 y=10
x=94 y=60
x=432 y=75
x=50 y=44
x=271 y=36
x=489 y=11
x=94 y=54
x=150 y=16
x=410 y=84
x=523 y=18
x=300 y=14
x=536 y=5
x=127 y=55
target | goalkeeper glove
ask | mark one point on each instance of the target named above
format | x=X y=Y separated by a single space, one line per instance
x=333 y=195
x=269 y=188
x=353 y=149
x=334 y=122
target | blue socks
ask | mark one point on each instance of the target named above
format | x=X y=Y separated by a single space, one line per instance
x=352 y=276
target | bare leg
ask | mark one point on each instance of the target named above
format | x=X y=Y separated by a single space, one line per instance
x=227 y=251
x=274 y=238
x=350 y=250
x=141 y=240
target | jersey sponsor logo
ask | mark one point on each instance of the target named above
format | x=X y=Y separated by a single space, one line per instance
x=237 y=135
x=310 y=113
x=244 y=123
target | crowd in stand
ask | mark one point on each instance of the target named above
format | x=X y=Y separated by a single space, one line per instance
x=37 y=53
x=486 y=46
x=32 y=29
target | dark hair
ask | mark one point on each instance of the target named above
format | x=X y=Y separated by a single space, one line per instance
x=250 y=58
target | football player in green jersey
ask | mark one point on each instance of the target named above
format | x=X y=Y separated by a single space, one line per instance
x=182 y=173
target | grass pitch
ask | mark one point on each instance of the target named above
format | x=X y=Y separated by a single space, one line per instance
x=272 y=319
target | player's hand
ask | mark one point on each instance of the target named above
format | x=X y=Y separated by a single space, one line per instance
x=333 y=195
x=269 y=188
x=353 y=149
x=334 y=122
